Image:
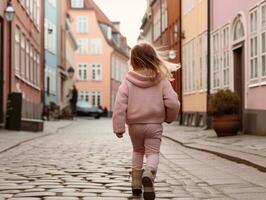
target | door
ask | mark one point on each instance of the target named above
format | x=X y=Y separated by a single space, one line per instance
x=239 y=83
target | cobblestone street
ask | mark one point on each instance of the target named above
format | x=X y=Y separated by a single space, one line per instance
x=86 y=161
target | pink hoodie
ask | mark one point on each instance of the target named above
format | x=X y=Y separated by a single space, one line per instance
x=142 y=101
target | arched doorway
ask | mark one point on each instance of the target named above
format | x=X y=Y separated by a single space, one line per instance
x=238 y=38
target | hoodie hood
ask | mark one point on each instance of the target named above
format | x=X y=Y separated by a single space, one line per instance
x=140 y=80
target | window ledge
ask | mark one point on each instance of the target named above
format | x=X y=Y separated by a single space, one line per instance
x=27 y=82
x=189 y=93
x=253 y=85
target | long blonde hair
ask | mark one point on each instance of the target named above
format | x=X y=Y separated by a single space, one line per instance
x=145 y=56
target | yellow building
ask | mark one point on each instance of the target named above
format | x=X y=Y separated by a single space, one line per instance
x=194 y=61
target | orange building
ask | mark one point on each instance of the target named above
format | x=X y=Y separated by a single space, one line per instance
x=101 y=60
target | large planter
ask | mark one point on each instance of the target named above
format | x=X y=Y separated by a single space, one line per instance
x=226 y=125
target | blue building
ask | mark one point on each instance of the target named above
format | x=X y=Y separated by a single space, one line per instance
x=52 y=55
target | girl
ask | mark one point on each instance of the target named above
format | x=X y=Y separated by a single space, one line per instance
x=144 y=101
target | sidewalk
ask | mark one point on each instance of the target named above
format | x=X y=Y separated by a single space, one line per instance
x=246 y=149
x=10 y=139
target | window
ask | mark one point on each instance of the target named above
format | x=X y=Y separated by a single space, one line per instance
x=185 y=67
x=50 y=36
x=96 y=46
x=27 y=73
x=38 y=13
x=50 y=80
x=17 y=51
x=77 y=3
x=157 y=25
x=189 y=67
x=84 y=95
x=164 y=15
x=82 y=24
x=96 y=72
x=215 y=61
x=28 y=5
x=83 y=45
x=96 y=98
x=225 y=57
x=113 y=68
x=38 y=70
x=22 y=55
x=31 y=64
x=31 y=8
x=192 y=72
x=254 y=46
x=34 y=71
x=203 y=61
x=82 y=72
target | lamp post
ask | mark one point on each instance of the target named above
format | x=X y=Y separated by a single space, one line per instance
x=71 y=72
x=9 y=15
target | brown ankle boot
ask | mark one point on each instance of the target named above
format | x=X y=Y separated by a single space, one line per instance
x=136 y=182
x=148 y=183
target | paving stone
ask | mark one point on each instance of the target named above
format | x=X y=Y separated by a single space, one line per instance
x=35 y=194
x=86 y=162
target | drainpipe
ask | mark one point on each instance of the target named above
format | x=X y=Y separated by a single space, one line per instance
x=208 y=117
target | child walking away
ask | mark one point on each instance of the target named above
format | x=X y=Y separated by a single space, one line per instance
x=144 y=101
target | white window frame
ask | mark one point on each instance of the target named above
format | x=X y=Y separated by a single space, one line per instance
x=83 y=46
x=77 y=3
x=96 y=46
x=164 y=15
x=225 y=57
x=215 y=60
x=157 y=25
x=254 y=47
x=17 y=50
x=203 y=61
x=263 y=46
x=96 y=72
x=82 y=24
x=96 y=98
x=82 y=72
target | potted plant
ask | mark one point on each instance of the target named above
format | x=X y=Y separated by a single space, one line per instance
x=224 y=106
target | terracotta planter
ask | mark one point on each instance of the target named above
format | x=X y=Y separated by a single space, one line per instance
x=226 y=125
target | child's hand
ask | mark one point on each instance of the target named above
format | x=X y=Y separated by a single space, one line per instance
x=119 y=135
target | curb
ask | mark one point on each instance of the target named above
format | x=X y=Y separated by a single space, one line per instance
x=34 y=138
x=233 y=158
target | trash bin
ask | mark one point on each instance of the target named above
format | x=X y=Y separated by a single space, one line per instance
x=14 y=108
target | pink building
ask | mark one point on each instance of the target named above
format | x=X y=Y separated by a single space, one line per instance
x=239 y=57
x=21 y=62
x=101 y=60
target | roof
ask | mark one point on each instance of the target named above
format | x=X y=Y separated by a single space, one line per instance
x=102 y=18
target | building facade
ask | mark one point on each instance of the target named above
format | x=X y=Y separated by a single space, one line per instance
x=194 y=61
x=102 y=51
x=68 y=47
x=52 y=55
x=22 y=71
x=166 y=34
x=239 y=57
x=146 y=25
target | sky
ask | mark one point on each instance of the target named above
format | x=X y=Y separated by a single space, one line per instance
x=128 y=12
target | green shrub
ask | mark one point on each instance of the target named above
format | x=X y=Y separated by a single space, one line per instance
x=224 y=102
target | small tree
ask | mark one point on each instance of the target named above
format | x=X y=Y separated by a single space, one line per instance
x=224 y=102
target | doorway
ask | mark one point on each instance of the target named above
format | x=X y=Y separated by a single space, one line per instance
x=239 y=78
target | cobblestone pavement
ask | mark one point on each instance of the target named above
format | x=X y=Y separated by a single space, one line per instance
x=86 y=161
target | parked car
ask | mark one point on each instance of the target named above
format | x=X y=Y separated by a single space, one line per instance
x=84 y=108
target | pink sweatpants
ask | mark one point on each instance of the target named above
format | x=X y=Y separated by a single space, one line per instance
x=146 y=140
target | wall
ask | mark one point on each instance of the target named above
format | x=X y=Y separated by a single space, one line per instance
x=194 y=23
x=51 y=58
